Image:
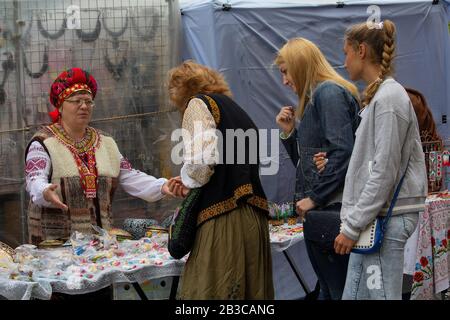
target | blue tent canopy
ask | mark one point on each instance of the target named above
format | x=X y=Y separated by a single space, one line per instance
x=242 y=38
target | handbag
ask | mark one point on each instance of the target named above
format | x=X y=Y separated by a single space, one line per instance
x=371 y=239
x=321 y=227
x=184 y=226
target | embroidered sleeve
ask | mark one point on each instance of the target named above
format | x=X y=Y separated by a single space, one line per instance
x=37 y=171
x=138 y=183
x=200 y=142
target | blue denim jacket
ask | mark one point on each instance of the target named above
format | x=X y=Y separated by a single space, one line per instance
x=329 y=124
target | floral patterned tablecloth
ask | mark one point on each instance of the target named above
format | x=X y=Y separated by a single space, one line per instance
x=432 y=265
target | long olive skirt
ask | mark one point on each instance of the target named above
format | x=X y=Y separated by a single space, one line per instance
x=230 y=259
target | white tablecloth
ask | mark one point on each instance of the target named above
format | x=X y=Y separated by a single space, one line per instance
x=160 y=265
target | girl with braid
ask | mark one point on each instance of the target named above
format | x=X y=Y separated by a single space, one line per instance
x=387 y=145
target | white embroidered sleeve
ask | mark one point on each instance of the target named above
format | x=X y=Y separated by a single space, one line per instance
x=37 y=171
x=200 y=142
x=138 y=183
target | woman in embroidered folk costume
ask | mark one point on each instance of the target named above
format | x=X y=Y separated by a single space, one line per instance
x=72 y=170
x=327 y=116
x=231 y=257
x=387 y=146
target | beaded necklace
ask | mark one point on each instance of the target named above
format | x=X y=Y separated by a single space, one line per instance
x=85 y=147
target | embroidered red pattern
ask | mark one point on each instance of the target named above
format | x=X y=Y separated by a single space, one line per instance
x=36 y=148
x=35 y=164
x=125 y=164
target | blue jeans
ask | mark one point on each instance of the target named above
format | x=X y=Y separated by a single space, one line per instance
x=379 y=276
x=331 y=270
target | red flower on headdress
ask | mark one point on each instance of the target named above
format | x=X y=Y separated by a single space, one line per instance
x=54 y=115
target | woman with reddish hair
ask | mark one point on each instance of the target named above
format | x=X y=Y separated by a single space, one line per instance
x=231 y=257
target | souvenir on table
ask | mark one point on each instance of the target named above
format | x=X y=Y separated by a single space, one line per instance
x=91 y=244
x=155 y=230
x=6 y=255
x=446 y=158
x=138 y=227
x=432 y=165
x=435 y=160
x=50 y=244
x=120 y=234
x=282 y=213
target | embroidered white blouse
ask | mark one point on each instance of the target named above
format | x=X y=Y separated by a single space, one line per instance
x=134 y=182
x=200 y=143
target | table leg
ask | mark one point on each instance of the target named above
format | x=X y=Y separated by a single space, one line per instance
x=174 y=287
x=297 y=274
x=139 y=291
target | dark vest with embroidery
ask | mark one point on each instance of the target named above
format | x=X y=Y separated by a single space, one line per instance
x=232 y=184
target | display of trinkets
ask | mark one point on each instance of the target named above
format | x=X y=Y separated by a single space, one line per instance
x=282 y=213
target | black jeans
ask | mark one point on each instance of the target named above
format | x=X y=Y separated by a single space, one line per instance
x=331 y=271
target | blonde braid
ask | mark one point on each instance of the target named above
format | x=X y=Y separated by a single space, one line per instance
x=370 y=91
x=388 y=49
x=387 y=56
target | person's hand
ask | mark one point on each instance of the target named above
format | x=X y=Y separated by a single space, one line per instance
x=51 y=196
x=303 y=206
x=175 y=188
x=343 y=244
x=179 y=188
x=286 y=119
x=320 y=160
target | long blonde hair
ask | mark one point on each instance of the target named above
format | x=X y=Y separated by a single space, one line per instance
x=307 y=66
x=381 y=43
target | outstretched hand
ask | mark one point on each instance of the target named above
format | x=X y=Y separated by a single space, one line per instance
x=175 y=188
x=51 y=196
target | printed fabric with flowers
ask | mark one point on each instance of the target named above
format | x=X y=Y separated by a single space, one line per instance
x=423 y=269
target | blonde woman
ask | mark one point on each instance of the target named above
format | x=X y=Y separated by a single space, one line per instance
x=231 y=257
x=327 y=116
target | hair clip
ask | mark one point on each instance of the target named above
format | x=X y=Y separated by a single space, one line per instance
x=375 y=25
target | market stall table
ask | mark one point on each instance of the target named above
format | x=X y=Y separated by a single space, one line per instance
x=147 y=258
x=283 y=237
x=427 y=255
x=58 y=270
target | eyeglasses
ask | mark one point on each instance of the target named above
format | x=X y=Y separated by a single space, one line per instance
x=79 y=102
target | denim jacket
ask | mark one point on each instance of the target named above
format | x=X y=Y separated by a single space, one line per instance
x=329 y=124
